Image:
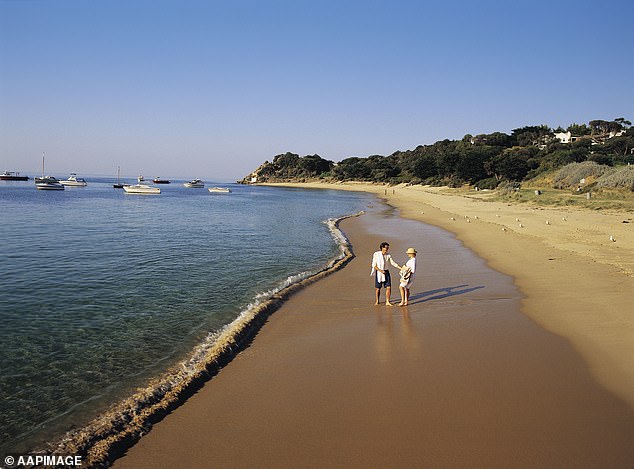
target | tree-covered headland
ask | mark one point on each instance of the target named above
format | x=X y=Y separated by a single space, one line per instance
x=485 y=160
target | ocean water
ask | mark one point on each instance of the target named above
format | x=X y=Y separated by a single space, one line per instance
x=103 y=290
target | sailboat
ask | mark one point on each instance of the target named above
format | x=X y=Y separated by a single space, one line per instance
x=118 y=185
x=48 y=183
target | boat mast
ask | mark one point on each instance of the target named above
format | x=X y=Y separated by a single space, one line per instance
x=42 y=165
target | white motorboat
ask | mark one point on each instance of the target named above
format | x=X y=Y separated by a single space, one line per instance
x=141 y=189
x=219 y=190
x=194 y=183
x=48 y=183
x=74 y=181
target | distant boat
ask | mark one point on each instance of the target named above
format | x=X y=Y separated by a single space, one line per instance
x=12 y=176
x=194 y=183
x=74 y=181
x=48 y=183
x=219 y=190
x=118 y=184
x=141 y=189
x=160 y=181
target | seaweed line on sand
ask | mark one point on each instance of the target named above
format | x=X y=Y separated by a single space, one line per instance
x=108 y=436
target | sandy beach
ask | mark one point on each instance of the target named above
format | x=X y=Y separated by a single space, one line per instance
x=577 y=283
x=517 y=356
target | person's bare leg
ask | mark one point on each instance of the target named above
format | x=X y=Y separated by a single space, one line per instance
x=406 y=296
x=377 y=293
x=403 y=296
x=388 y=290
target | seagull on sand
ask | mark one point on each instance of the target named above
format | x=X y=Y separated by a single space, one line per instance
x=613 y=239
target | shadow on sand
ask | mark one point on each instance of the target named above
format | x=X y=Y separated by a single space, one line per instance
x=442 y=293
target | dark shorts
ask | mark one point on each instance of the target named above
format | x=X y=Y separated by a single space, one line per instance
x=387 y=283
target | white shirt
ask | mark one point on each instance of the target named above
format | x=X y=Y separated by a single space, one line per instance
x=411 y=265
x=379 y=262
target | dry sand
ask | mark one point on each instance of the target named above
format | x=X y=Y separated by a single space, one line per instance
x=460 y=378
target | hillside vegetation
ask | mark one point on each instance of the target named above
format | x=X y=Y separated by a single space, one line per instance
x=598 y=152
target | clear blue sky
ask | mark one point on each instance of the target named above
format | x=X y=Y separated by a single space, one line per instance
x=193 y=88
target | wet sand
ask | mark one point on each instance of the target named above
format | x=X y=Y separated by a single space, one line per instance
x=460 y=378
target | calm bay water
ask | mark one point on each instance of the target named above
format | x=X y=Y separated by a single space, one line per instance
x=102 y=290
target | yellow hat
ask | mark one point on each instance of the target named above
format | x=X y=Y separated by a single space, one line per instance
x=410 y=251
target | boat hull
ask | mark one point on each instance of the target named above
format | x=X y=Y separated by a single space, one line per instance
x=73 y=183
x=49 y=186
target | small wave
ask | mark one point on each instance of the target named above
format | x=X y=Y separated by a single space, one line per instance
x=108 y=435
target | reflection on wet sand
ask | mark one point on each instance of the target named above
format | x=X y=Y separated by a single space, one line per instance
x=395 y=336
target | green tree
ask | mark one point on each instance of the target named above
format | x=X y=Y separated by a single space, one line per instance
x=512 y=164
x=532 y=135
x=578 y=130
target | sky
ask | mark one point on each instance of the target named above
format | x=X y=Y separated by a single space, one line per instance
x=211 y=89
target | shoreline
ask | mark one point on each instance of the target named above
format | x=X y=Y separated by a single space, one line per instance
x=460 y=378
x=109 y=434
x=575 y=280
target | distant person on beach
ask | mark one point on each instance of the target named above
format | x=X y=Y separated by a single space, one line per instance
x=381 y=273
x=407 y=276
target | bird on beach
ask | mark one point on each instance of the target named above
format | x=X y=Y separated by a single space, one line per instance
x=563 y=218
x=548 y=222
x=503 y=229
x=521 y=226
x=517 y=219
x=452 y=219
x=613 y=239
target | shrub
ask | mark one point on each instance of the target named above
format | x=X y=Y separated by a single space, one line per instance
x=620 y=178
x=489 y=183
x=572 y=174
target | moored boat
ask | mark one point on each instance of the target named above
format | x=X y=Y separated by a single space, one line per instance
x=12 y=176
x=74 y=181
x=194 y=183
x=118 y=184
x=48 y=183
x=160 y=181
x=219 y=190
x=141 y=189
